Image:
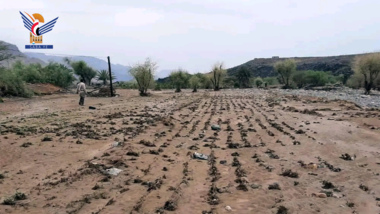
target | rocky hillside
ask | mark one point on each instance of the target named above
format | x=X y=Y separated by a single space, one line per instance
x=263 y=67
x=17 y=55
x=120 y=71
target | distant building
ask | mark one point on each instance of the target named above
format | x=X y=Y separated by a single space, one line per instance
x=275 y=57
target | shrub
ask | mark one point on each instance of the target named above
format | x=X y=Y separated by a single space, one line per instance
x=258 y=82
x=179 y=78
x=82 y=69
x=194 y=83
x=104 y=76
x=271 y=80
x=369 y=67
x=243 y=77
x=12 y=85
x=126 y=85
x=143 y=74
x=313 y=78
x=217 y=75
x=57 y=74
x=285 y=69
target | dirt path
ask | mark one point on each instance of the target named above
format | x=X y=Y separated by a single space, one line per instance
x=59 y=157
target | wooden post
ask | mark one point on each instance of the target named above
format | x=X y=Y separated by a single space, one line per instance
x=109 y=69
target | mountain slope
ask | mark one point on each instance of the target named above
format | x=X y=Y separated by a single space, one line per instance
x=17 y=55
x=120 y=71
x=263 y=67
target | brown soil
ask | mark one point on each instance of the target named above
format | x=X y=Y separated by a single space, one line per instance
x=273 y=154
x=44 y=89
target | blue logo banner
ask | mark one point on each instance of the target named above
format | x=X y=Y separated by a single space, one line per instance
x=38 y=46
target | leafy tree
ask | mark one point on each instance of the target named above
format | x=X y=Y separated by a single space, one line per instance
x=104 y=75
x=243 y=76
x=144 y=75
x=231 y=82
x=29 y=73
x=204 y=80
x=194 y=83
x=258 y=82
x=57 y=74
x=82 y=69
x=217 y=75
x=369 y=66
x=54 y=73
x=180 y=79
x=285 y=69
x=12 y=85
x=345 y=73
x=299 y=78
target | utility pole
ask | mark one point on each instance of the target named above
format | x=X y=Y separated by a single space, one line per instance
x=109 y=69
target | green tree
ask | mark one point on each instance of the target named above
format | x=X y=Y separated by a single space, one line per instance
x=194 y=82
x=230 y=82
x=104 y=76
x=258 y=82
x=243 y=76
x=217 y=75
x=57 y=74
x=369 y=66
x=12 y=85
x=285 y=69
x=204 y=80
x=179 y=79
x=82 y=69
x=299 y=78
x=144 y=75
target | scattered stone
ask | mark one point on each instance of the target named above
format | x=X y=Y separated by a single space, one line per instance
x=113 y=171
x=200 y=156
x=290 y=173
x=348 y=157
x=215 y=127
x=255 y=186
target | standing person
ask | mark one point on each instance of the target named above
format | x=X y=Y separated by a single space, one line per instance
x=81 y=89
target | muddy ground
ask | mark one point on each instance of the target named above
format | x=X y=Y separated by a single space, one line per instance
x=273 y=154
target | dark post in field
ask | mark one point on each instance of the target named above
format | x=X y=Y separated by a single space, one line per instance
x=109 y=69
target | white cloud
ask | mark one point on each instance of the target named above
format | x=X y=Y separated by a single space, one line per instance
x=17 y=5
x=132 y=17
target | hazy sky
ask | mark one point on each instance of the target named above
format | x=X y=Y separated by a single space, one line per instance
x=194 y=34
